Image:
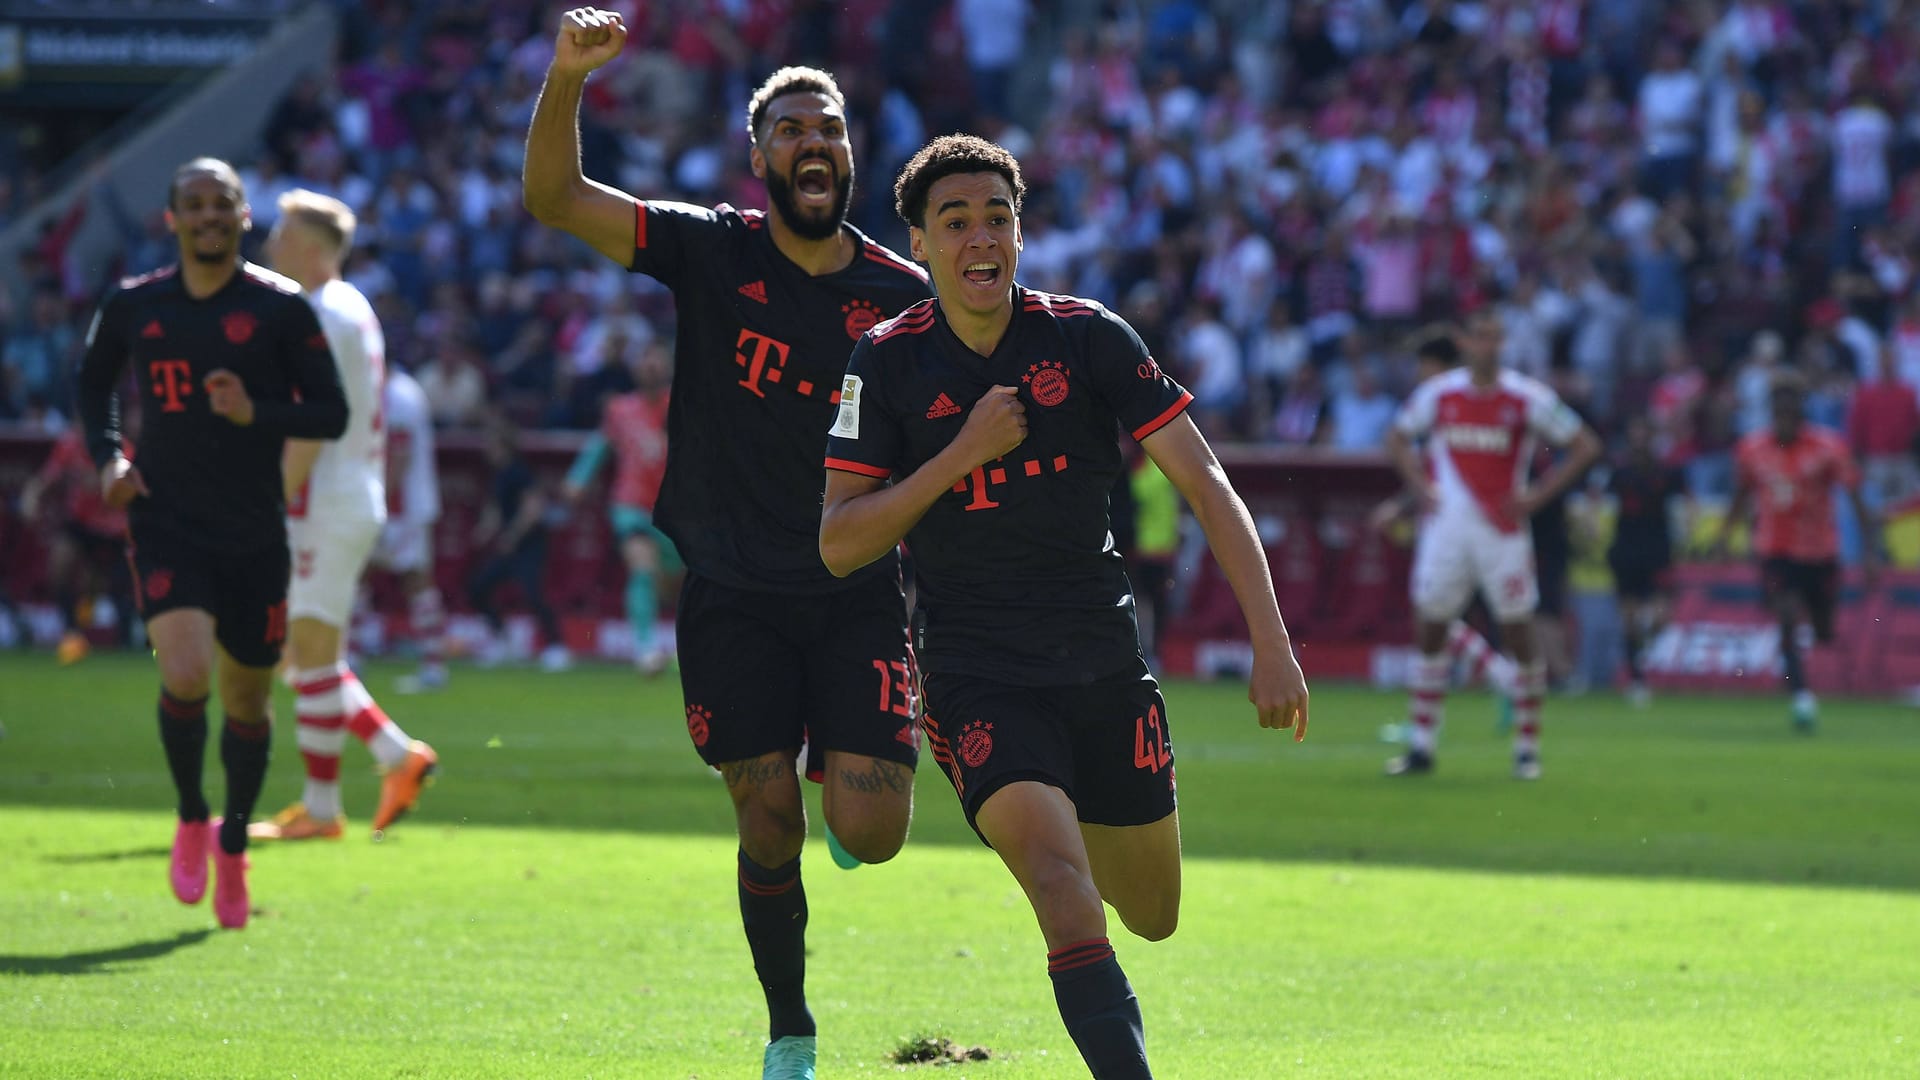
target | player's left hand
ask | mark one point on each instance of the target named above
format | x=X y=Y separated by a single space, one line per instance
x=227 y=396
x=1278 y=690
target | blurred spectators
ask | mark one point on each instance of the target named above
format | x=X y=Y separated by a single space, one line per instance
x=1272 y=192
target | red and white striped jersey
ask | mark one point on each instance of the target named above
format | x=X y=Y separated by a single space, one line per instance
x=1479 y=440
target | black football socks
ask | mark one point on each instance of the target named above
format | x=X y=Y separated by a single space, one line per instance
x=183 y=735
x=773 y=909
x=243 y=750
x=1099 y=1009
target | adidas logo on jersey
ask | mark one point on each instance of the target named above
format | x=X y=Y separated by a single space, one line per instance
x=153 y=330
x=942 y=406
x=755 y=291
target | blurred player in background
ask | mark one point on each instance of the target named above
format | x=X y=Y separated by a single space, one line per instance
x=633 y=426
x=1039 y=702
x=85 y=552
x=406 y=542
x=1470 y=656
x=1642 y=550
x=229 y=363
x=512 y=534
x=1786 y=475
x=774 y=651
x=1480 y=424
x=336 y=506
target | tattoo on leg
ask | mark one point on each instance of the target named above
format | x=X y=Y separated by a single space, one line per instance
x=756 y=772
x=883 y=776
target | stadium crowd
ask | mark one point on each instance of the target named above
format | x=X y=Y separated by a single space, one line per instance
x=1274 y=194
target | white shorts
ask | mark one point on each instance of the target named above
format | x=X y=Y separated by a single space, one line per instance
x=328 y=557
x=405 y=546
x=1455 y=555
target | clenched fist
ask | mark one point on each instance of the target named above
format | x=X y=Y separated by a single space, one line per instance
x=588 y=38
x=997 y=424
x=227 y=396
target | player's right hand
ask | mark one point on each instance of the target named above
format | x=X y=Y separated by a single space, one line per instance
x=997 y=424
x=120 y=482
x=588 y=38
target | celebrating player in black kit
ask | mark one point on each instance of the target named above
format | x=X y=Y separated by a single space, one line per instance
x=995 y=413
x=229 y=361
x=773 y=649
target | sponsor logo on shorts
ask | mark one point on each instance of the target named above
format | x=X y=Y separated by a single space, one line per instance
x=976 y=743
x=698 y=717
x=159 y=584
x=908 y=735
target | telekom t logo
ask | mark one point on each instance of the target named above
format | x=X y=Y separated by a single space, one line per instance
x=977 y=484
x=764 y=358
x=172 y=381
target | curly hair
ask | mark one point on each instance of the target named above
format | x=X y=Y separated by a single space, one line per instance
x=946 y=156
x=790 y=80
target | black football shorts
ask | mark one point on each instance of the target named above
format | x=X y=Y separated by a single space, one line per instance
x=1105 y=744
x=761 y=671
x=246 y=593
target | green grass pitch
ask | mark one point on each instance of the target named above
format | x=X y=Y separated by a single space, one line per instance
x=1692 y=891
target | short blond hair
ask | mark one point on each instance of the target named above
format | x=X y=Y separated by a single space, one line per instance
x=327 y=216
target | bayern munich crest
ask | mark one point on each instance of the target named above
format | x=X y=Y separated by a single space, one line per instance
x=1047 y=380
x=239 y=326
x=861 y=317
x=976 y=743
x=697 y=718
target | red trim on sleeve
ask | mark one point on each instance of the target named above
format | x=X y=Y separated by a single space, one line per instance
x=639 y=225
x=1160 y=421
x=843 y=465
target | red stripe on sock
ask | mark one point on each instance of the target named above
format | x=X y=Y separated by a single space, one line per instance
x=1079 y=954
x=323 y=767
x=318 y=686
x=178 y=709
x=250 y=732
x=758 y=889
x=367 y=723
x=323 y=723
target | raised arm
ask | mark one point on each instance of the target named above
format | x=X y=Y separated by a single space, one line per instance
x=552 y=186
x=1278 y=688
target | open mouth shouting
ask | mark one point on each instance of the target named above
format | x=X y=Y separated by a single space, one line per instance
x=983 y=274
x=813 y=183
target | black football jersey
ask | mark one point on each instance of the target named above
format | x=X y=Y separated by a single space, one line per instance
x=760 y=351
x=1018 y=577
x=1643 y=491
x=212 y=481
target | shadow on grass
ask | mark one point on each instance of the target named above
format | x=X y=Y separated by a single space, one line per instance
x=85 y=858
x=99 y=961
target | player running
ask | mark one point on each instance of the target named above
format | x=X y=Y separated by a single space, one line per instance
x=1480 y=424
x=1642 y=549
x=1786 y=476
x=229 y=362
x=981 y=428
x=336 y=506
x=773 y=649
